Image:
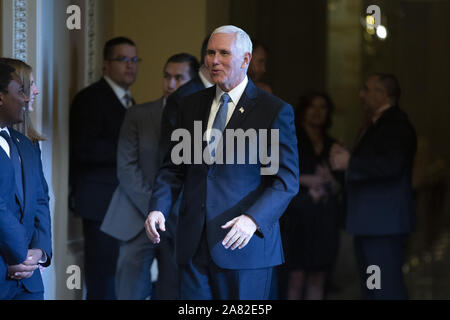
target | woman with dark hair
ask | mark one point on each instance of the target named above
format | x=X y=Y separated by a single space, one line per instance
x=311 y=222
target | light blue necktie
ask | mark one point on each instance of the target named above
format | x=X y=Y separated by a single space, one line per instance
x=220 y=120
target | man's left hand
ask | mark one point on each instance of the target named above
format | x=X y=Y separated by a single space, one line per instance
x=242 y=230
x=33 y=257
x=26 y=269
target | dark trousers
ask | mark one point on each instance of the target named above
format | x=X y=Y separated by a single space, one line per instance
x=202 y=279
x=167 y=284
x=100 y=258
x=386 y=252
x=133 y=276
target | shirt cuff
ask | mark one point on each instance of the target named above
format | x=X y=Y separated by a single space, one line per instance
x=44 y=258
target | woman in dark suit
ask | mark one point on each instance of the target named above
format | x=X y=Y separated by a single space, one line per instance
x=311 y=222
x=25 y=73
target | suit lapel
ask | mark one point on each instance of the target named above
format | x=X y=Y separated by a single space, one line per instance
x=25 y=157
x=3 y=156
x=206 y=104
x=154 y=116
x=373 y=127
x=7 y=164
x=361 y=137
x=205 y=109
x=159 y=111
x=243 y=107
x=112 y=95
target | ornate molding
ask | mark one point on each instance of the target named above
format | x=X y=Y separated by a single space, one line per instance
x=19 y=29
x=91 y=41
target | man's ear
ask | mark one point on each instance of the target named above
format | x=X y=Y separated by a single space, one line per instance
x=2 y=96
x=247 y=59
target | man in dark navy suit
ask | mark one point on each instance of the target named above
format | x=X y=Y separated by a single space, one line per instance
x=25 y=237
x=228 y=237
x=96 y=117
x=380 y=199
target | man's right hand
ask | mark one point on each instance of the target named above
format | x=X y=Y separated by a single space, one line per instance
x=21 y=271
x=339 y=157
x=154 y=219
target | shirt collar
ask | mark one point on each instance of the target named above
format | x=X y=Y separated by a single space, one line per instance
x=205 y=81
x=380 y=112
x=6 y=129
x=118 y=90
x=235 y=93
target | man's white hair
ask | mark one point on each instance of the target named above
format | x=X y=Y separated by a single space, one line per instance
x=243 y=42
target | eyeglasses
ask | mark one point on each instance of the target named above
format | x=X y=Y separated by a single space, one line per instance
x=133 y=60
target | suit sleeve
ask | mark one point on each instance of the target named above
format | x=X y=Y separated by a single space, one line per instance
x=131 y=177
x=387 y=157
x=90 y=142
x=282 y=186
x=169 y=179
x=168 y=123
x=13 y=246
x=42 y=237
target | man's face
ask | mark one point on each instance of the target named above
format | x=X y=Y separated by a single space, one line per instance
x=121 y=72
x=258 y=66
x=373 y=95
x=175 y=75
x=12 y=104
x=34 y=91
x=226 y=65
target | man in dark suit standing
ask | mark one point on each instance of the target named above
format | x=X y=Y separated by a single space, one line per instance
x=229 y=206
x=380 y=199
x=96 y=116
x=25 y=241
x=138 y=160
x=199 y=81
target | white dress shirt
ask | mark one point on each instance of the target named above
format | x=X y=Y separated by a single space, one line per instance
x=235 y=94
x=3 y=143
x=119 y=91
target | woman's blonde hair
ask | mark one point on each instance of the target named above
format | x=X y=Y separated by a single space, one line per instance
x=24 y=71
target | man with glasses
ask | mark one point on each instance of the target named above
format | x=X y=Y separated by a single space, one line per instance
x=96 y=116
